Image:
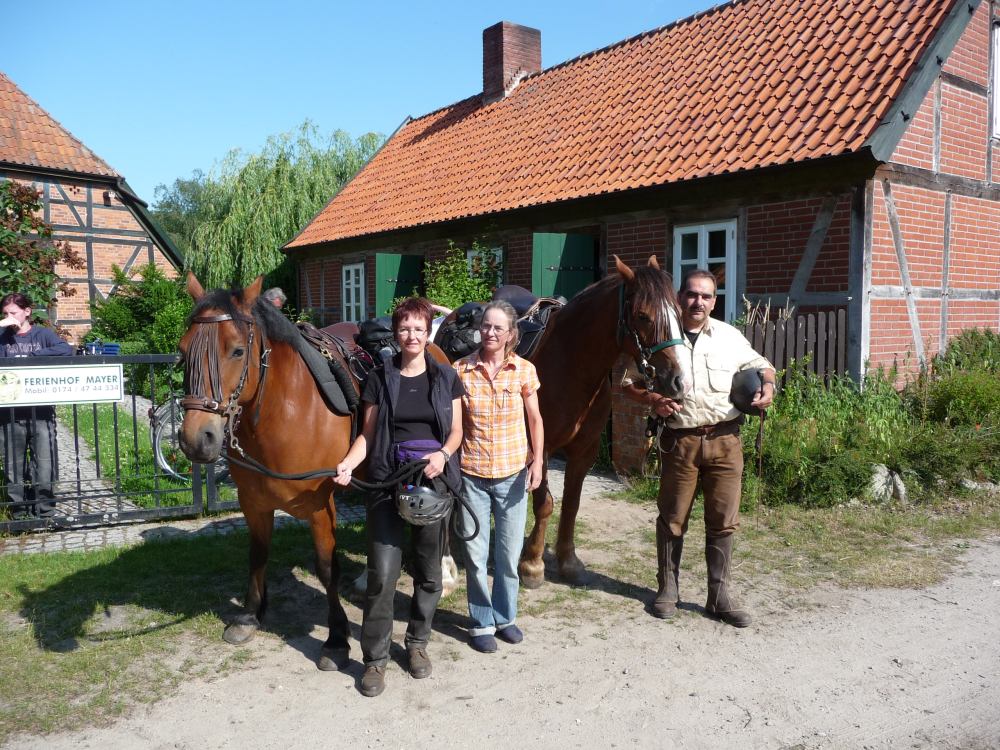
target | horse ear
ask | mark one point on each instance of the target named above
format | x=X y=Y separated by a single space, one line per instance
x=194 y=287
x=252 y=292
x=654 y=262
x=625 y=271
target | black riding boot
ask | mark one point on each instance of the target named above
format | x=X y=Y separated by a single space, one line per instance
x=668 y=557
x=718 y=556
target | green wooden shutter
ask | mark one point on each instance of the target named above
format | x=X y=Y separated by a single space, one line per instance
x=562 y=264
x=396 y=276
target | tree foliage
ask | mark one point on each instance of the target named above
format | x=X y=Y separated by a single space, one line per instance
x=232 y=223
x=28 y=254
x=451 y=282
x=147 y=313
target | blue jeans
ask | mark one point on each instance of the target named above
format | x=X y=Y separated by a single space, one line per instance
x=507 y=499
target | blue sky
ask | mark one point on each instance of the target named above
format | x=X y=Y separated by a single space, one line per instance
x=158 y=89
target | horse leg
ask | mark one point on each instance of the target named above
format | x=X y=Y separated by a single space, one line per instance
x=335 y=654
x=260 y=525
x=449 y=570
x=532 y=568
x=578 y=463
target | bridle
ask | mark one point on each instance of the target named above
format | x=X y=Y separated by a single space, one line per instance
x=205 y=346
x=644 y=353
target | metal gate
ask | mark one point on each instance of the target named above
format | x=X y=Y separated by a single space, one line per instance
x=114 y=462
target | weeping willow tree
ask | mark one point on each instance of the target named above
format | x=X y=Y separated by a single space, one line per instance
x=261 y=201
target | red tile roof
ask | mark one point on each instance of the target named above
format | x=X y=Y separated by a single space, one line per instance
x=31 y=137
x=749 y=84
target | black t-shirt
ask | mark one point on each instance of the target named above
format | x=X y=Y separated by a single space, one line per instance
x=414 y=418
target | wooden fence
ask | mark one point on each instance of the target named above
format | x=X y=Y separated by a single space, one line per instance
x=821 y=336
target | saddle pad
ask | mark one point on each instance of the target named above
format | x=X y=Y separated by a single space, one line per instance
x=327 y=382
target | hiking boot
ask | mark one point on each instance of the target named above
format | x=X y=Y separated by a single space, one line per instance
x=420 y=662
x=720 y=604
x=373 y=680
x=668 y=557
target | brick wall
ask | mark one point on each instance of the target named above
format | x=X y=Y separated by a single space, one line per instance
x=78 y=210
x=961 y=138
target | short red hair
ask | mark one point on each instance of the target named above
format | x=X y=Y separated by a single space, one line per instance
x=413 y=307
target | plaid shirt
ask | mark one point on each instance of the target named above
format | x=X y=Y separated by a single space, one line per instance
x=495 y=437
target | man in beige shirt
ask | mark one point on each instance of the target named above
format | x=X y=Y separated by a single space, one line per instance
x=701 y=443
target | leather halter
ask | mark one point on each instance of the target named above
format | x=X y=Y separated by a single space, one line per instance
x=643 y=353
x=231 y=410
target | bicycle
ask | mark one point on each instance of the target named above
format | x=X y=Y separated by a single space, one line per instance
x=164 y=426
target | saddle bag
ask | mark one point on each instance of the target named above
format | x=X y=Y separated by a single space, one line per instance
x=460 y=337
x=376 y=336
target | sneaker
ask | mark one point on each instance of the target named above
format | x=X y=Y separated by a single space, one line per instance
x=373 y=681
x=420 y=663
x=510 y=634
x=484 y=644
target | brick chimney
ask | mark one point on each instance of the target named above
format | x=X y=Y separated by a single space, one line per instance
x=510 y=52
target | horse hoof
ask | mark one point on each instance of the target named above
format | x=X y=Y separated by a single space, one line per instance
x=532 y=573
x=334 y=659
x=239 y=633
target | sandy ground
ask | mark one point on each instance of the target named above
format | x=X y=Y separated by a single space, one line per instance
x=828 y=668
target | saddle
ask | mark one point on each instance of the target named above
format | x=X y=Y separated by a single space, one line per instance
x=340 y=386
x=459 y=336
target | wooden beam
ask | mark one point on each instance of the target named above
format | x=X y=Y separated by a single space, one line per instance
x=904 y=271
x=813 y=246
x=892 y=291
x=945 y=263
x=901 y=174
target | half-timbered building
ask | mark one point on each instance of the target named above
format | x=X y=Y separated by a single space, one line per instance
x=831 y=155
x=87 y=203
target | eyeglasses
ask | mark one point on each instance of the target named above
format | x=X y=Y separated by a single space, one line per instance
x=412 y=331
x=498 y=330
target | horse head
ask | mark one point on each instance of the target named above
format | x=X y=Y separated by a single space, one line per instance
x=650 y=328
x=221 y=366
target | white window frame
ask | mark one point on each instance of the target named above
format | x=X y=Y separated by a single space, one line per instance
x=352 y=292
x=470 y=254
x=995 y=82
x=728 y=291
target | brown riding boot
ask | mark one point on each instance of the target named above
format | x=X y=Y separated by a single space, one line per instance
x=720 y=605
x=668 y=557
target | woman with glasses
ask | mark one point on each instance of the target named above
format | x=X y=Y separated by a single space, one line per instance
x=499 y=468
x=413 y=409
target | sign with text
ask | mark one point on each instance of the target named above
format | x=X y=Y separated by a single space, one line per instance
x=69 y=384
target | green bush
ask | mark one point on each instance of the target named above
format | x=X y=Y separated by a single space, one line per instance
x=146 y=313
x=974 y=349
x=965 y=398
x=451 y=283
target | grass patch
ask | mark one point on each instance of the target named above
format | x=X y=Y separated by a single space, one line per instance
x=86 y=635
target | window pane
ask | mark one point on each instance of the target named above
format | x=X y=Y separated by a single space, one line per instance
x=719 y=312
x=689 y=247
x=719 y=271
x=717 y=243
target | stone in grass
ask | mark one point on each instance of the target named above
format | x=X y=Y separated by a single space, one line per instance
x=880 y=487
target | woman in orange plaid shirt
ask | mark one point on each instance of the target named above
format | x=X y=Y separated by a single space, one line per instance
x=498 y=471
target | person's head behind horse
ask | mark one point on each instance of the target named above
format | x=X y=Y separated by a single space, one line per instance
x=510 y=314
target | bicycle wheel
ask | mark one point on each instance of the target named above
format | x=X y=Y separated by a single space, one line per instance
x=166 y=425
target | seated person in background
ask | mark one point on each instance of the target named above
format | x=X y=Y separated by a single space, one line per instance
x=28 y=433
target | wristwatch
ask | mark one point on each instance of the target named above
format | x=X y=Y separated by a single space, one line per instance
x=446 y=454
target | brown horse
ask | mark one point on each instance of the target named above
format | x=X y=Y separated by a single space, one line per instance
x=634 y=312
x=280 y=419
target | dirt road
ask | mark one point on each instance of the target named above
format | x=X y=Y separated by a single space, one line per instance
x=829 y=668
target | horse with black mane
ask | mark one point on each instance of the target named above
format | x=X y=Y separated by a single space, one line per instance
x=249 y=392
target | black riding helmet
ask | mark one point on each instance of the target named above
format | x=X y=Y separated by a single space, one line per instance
x=421 y=505
x=746 y=383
